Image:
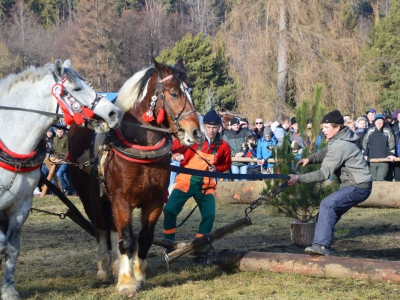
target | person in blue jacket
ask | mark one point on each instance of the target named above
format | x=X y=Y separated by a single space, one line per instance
x=264 y=150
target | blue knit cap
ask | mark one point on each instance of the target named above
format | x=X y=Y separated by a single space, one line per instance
x=212 y=118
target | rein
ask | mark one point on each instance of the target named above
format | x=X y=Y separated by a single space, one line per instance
x=49 y=114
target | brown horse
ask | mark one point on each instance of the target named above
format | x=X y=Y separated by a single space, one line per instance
x=134 y=168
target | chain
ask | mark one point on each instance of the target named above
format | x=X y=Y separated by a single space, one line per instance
x=61 y=215
x=17 y=167
x=86 y=163
x=265 y=198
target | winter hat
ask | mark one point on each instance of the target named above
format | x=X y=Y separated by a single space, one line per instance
x=268 y=131
x=378 y=116
x=212 y=118
x=235 y=121
x=372 y=110
x=293 y=120
x=334 y=117
x=361 y=118
x=386 y=113
x=244 y=120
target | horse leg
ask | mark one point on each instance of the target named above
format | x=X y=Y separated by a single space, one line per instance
x=145 y=239
x=103 y=256
x=16 y=221
x=115 y=254
x=123 y=220
x=3 y=236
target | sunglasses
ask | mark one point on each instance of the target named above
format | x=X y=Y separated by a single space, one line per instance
x=258 y=122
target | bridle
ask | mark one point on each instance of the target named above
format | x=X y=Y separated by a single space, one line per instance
x=179 y=116
x=72 y=107
x=60 y=91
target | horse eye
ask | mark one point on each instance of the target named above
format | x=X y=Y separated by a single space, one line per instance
x=174 y=95
x=77 y=89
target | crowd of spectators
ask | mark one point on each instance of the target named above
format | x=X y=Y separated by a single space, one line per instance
x=378 y=139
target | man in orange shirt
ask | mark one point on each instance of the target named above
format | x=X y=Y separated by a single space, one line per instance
x=213 y=155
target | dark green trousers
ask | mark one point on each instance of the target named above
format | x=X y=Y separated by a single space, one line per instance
x=177 y=199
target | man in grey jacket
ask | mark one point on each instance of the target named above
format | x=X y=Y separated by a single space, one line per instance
x=343 y=158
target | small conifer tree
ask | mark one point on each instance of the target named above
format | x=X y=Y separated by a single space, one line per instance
x=301 y=202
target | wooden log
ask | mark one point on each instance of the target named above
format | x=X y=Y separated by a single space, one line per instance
x=384 y=193
x=207 y=239
x=308 y=265
x=302 y=234
x=375 y=160
x=248 y=159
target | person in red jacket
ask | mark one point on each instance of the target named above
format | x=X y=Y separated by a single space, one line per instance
x=213 y=155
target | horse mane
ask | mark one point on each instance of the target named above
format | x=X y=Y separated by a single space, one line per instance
x=35 y=74
x=134 y=89
x=32 y=74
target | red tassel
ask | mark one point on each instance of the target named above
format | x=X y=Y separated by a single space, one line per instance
x=148 y=116
x=78 y=118
x=87 y=113
x=67 y=118
x=161 y=115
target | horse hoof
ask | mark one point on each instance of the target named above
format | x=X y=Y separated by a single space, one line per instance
x=140 y=285
x=9 y=293
x=128 y=292
x=102 y=276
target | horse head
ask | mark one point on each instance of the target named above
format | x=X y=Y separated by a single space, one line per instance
x=176 y=100
x=80 y=101
x=159 y=96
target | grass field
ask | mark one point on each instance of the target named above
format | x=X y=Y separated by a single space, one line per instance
x=58 y=259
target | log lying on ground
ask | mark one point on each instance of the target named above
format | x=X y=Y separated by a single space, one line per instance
x=315 y=266
x=384 y=193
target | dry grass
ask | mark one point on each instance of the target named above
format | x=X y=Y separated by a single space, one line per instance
x=57 y=259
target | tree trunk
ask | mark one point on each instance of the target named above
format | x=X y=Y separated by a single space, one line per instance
x=282 y=55
x=302 y=234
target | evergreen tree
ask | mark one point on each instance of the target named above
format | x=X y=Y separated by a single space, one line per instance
x=384 y=50
x=301 y=202
x=207 y=71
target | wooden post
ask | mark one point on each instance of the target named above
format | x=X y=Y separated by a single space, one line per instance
x=51 y=175
x=302 y=234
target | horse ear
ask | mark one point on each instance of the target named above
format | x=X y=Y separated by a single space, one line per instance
x=162 y=70
x=67 y=64
x=58 y=67
x=180 y=63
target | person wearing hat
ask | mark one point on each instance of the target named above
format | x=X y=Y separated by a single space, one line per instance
x=236 y=137
x=343 y=158
x=388 y=117
x=244 y=123
x=265 y=151
x=212 y=155
x=295 y=134
x=370 y=116
x=379 y=142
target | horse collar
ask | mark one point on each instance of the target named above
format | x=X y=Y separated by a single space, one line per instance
x=21 y=163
